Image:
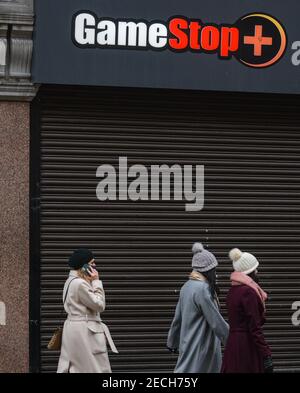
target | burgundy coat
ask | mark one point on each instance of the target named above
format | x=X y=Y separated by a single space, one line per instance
x=246 y=346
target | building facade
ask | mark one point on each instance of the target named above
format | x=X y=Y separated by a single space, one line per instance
x=82 y=131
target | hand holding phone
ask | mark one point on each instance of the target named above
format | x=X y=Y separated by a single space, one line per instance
x=90 y=272
x=86 y=269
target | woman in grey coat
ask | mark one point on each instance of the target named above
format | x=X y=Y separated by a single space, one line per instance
x=198 y=328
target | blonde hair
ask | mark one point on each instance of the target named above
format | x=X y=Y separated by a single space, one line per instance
x=82 y=275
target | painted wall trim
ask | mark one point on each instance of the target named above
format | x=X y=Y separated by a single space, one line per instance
x=2 y=314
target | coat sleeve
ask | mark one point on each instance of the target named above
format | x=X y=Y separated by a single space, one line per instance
x=212 y=315
x=253 y=312
x=92 y=296
x=174 y=332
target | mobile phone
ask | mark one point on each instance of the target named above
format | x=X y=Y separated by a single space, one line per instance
x=85 y=269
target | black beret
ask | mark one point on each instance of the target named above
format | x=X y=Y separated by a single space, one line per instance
x=80 y=257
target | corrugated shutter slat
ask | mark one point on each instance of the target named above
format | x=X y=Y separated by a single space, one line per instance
x=250 y=146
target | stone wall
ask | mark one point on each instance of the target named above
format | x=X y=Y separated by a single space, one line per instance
x=14 y=235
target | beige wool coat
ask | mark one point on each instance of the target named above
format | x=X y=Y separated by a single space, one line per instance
x=85 y=336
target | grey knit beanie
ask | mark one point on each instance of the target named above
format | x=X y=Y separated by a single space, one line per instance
x=203 y=260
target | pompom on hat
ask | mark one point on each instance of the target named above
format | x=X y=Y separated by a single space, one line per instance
x=80 y=257
x=243 y=262
x=203 y=260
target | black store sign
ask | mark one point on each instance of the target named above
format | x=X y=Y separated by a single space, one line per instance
x=235 y=45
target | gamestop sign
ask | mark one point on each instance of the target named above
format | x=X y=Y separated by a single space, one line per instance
x=257 y=40
x=178 y=34
x=195 y=45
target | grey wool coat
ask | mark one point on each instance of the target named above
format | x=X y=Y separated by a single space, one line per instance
x=85 y=336
x=197 y=330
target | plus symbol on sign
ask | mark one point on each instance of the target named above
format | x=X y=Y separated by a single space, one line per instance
x=258 y=40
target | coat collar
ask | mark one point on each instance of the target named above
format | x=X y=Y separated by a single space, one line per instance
x=197 y=276
x=73 y=273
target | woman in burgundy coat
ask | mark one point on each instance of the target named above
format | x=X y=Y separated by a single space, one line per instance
x=246 y=350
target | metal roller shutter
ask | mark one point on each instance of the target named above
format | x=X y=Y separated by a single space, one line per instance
x=250 y=146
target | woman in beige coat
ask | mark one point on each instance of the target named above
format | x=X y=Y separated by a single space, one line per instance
x=85 y=336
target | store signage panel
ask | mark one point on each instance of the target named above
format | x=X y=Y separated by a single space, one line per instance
x=237 y=46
